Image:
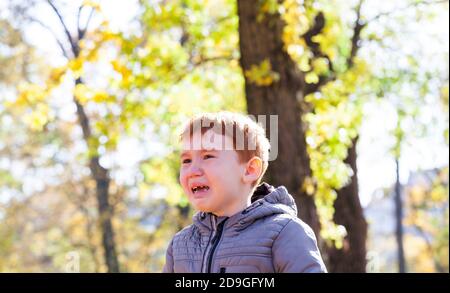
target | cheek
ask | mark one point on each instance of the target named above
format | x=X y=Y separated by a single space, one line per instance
x=182 y=178
x=225 y=177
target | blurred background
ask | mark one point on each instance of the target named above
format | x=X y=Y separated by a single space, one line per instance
x=93 y=94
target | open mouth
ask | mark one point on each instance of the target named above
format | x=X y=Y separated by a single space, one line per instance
x=199 y=188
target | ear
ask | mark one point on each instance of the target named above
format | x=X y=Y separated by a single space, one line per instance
x=253 y=170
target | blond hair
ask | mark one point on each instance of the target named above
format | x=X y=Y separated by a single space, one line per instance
x=249 y=138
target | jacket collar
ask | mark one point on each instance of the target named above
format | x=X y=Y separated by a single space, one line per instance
x=266 y=201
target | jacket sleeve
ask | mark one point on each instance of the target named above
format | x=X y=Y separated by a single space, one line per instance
x=168 y=266
x=295 y=250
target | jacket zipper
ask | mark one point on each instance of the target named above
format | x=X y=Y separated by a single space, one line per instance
x=208 y=245
x=215 y=241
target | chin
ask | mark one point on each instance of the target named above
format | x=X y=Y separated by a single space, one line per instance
x=202 y=208
x=206 y=209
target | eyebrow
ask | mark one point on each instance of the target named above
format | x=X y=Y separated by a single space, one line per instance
x=185 y=153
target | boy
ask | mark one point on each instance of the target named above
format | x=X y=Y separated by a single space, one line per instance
x=240 y=227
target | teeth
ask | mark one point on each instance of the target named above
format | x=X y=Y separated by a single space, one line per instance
x=197 y=188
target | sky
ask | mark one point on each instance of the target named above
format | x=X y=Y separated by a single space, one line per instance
x=376 y=167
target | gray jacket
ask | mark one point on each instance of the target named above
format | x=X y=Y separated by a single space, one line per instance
x=267 y=237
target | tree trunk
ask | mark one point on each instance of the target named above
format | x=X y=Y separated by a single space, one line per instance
x=349 y=213
x=99 y=174
x=399 y=219
x=347 y=207
x=260 y=40
x=263 y=40
x=102 y=180
x=105 y=215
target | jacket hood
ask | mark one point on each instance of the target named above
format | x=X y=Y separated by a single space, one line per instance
x=266 y=201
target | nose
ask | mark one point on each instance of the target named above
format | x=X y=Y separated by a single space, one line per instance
x=194 y=170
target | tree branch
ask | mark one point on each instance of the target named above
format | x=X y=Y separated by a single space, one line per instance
x=201 y=62
x=78 y=21
x=61 y=46
x=84 y=30
x=414 y=4
x=66 y=30
x=204 y=60
x=84 y=120
x=430 y=248
x=316 y=29
x=356 y=38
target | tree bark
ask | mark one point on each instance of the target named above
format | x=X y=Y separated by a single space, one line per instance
x=347 y=207
x=349 y=213
x=399 y=219
x=99 y=174
x=102 y=180
x=260 y=40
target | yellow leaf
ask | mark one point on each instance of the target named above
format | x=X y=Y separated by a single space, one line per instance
x=311 y=77
x=56 y=74
x=76 y=65
x=92 y=4
x=303 y=63
x=262 y=74
x=320 y=66
x=308 y=186
x=38 y=117
x=101 y=96
x=29 y=94
x=122 y=69
x=82 y=93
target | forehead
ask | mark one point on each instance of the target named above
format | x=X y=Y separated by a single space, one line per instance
x=209 y=140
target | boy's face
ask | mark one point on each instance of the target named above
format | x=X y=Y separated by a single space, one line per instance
x=212 y=177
